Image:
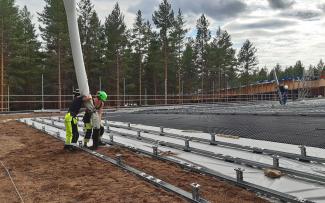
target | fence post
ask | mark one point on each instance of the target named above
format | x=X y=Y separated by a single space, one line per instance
x=8 y=98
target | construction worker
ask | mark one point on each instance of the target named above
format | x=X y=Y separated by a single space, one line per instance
x=95 y=129
x=71 y=121
x=285 y=95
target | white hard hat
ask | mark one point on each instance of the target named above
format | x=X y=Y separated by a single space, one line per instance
x=286 y=87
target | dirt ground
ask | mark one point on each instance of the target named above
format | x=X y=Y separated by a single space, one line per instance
x=211 y=189
x=44 y=172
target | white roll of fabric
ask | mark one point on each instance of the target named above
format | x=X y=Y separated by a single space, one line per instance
x=71 y=11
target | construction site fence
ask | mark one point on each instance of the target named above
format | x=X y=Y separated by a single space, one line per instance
x=36 y=102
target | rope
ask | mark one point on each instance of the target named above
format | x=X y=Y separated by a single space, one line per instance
x=12 y=181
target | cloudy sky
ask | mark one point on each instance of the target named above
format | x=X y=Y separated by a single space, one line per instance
x=283 y=31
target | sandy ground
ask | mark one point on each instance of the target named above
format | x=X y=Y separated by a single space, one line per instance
x=44 y=172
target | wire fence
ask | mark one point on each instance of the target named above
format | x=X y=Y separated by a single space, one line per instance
x=36 y=102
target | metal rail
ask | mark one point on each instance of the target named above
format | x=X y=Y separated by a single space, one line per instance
x=202 y=170
x=222 y=157
x=301 y=157
x=227 y=158
x=118 y=162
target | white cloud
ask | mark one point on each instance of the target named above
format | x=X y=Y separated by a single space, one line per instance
x=281 y=30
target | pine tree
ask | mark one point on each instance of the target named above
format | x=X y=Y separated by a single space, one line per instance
x=222 y=61
x=140 y=45
x=8 y=19
x=177 y=37
x=91 y=34
x=54 y=31
x=115 y=42
x=190 y=74
x=320 y=66
x=262 y=74
x=298 y=69
x=25 y=57
x=247 y=60
x=164 y=19
x=201 y=48
x=153 y=75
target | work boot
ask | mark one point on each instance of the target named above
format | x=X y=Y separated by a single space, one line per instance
x=95 y=139
x=68 y=147
x=100 y=142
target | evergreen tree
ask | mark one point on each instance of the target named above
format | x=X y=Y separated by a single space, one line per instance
x=222 y=60
x=54 y=31
x=201 y=48
x=190 y=74
x=164 y=19
x=154 y=72
x=19 y=54
x=8 y=21
x=25 y=57
x=140 y=45
x=177 y=37
x=115 y=42
x=321 y=65
x=247 y=60
x=298 y=69
x=262 y=74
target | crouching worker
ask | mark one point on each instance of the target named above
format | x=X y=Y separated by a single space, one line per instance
x=88 y=128
x=94 y=121
x=71 y=121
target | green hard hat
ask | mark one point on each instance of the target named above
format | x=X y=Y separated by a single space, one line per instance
x=102 y=95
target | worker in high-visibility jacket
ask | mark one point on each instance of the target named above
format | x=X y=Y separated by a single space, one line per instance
x=71 y=121
x=95 y=130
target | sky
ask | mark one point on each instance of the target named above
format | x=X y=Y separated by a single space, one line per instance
x=283 y=31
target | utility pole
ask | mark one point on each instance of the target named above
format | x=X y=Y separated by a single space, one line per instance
x=213 y=91
x=8 y=98
x=179 y=84
x=59 y=76
x=2 y=62
x=219 y=84
x=166 y=73
x=42 y=91
x=202 y=87
x=124 y=90
x=182 y=91
x=140 y=80
x=117 y=80
x=146 y=98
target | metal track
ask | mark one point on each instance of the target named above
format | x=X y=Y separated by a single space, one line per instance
x=147 y=177
x=202 y=170
x=230 y=145
x=226 y=158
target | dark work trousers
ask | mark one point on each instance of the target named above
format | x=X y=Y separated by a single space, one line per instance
x=75 y=133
